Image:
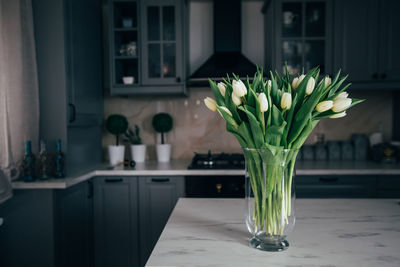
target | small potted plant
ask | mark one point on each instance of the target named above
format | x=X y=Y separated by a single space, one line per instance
x=162 y=123
x=138 y=150
x=116 y=124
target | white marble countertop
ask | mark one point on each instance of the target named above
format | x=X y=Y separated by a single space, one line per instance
x=179 y=168
x=328 y=232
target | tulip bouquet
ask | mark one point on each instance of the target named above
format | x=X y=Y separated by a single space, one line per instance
x=276 y=115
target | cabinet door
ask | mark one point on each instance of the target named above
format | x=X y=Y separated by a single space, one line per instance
x=356 y=39
x=158 y=196
x=73 y=226
x=83 y=52
x=115 y=222
x=162 y=30
x=389 y=57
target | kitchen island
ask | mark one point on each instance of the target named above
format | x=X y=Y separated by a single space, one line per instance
x=328 y=232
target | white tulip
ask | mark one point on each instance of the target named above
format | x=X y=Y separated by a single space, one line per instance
x=342 y=95
x=262 y=99
x=310 y=86
x=324 y=106
x=210 y=103
x=338 y=115
x=226 y=110
x=222 y=88
x=327 y=81
x=236 y=100
x=268 y=84
x=239 y=88
x=296 y=81
x=340 y=104
x=286 y=101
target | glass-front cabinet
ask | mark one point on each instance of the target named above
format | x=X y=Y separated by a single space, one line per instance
x=146 y=46
x=301 y=34
x=162 y=42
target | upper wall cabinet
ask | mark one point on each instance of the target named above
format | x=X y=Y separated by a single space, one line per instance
x=300 y=34
x=367 y=41
x=146 y=49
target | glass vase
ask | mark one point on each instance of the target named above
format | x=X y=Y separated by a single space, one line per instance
x=270 y=196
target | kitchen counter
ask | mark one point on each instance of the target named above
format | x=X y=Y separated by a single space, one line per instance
x=328 y=232
x=179 y=168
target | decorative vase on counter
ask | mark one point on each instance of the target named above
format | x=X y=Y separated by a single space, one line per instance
x=138 y=153
x=270 y=197
x=116 y=154
x=163 y=152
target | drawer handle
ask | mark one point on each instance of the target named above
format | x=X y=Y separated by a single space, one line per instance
x=114 y=180
x=329 y=180
x=160 y=180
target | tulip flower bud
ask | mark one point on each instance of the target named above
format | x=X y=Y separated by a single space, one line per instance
x=268 y=84
x=236 y=100
x=295 y=83
x=340 y=104
x=324 y=106
x=262 y=99
x=286 y=101
x=226 y=110
x=338 y=115
x=222 y=88
x=327 y=81
x=310 y=86
x=210 y=103
x=239 y=89
x=342 y=95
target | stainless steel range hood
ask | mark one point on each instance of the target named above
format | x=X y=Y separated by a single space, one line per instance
x=227 y=57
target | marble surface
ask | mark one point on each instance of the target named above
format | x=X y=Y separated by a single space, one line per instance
x=328 y=232
x=179 y=168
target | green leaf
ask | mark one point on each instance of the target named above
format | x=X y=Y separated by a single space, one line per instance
x=246 y=134
x=256 y=130
x=228 y=118
x=230 y=105
x=218 y=97
x=277 y=117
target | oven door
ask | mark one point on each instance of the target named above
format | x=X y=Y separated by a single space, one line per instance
x=215 y=186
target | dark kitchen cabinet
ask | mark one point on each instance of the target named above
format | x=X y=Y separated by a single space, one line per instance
x=388 y=187
x=366 y=42
x=116 y=221
x=48 y=228
x=146 y=41
x=157 y=199
x=68 y=52
x=327 y=186
x=300 y=33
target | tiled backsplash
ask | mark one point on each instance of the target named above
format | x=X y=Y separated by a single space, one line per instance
x=196 y=129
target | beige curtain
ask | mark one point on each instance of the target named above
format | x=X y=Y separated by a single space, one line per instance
x=19 y=96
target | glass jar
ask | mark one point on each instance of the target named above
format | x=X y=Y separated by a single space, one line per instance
x=270 y=196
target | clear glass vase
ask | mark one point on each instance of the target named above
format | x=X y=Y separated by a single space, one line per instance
x=270 y=196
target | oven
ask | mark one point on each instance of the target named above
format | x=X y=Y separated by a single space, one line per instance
x=215 y=186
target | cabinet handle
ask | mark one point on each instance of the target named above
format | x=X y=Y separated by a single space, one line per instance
x=72 y=118
x=375 y=76
x=114 y=180
x=328 y=179
x=383 y=76
x=160 y=180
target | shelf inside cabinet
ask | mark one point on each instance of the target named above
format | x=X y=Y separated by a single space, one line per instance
x=126 y=68
x=125 y=14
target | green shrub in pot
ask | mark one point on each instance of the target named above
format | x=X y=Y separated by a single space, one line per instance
x=116 y=124
x=163 y=123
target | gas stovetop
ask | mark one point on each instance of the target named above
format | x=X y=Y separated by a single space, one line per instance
x=217 y=161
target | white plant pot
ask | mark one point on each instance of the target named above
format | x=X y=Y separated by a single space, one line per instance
x=116 y=154
x=138 y=153
x=163 y=152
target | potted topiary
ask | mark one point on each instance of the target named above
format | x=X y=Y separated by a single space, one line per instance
x=116 y=125
x=138 y=150
x=162 y=123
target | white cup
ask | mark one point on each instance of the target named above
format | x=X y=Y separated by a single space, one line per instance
x=128 y=79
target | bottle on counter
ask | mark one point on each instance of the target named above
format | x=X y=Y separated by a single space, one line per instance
x=59 y=161
x=44 y=173
x=29 y=163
